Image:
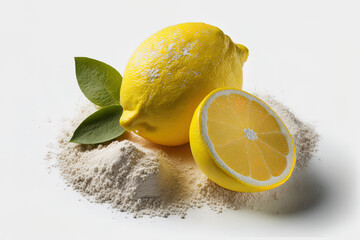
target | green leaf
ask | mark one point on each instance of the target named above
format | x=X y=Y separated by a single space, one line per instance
x=100 y=126
x=99 y=82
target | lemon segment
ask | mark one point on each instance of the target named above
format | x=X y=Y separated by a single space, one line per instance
x=240 y=143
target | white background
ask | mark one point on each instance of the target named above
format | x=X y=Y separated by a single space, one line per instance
x=305 y=53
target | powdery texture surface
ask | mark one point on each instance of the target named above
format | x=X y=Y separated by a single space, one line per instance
x=138 y=177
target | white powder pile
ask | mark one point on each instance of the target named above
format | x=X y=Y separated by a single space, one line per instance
x=136 y=176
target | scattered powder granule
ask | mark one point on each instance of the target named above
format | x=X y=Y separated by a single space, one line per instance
x=136 y=176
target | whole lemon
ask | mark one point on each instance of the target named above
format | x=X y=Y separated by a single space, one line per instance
x=170 y=73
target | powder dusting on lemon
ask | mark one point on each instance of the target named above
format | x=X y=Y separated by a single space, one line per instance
x=240 y=143
x=170 y=73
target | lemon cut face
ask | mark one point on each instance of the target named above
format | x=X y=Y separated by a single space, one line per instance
x=245 y=139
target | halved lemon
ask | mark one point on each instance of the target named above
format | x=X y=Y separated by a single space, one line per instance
x=240 y=143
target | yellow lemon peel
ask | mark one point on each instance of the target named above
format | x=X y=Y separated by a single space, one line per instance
x=170 y=73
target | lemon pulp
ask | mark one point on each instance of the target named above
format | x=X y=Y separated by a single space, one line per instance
x=246 y=137
x=240 y=143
